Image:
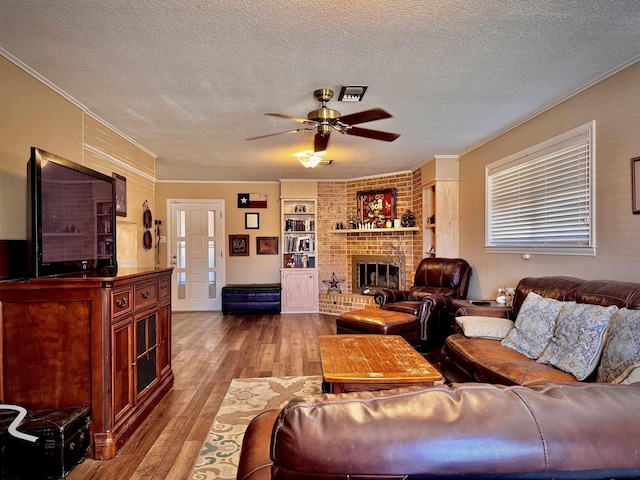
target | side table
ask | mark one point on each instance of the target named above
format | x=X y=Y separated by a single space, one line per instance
x=491 y=309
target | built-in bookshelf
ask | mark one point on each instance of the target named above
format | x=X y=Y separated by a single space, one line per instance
x=299 y=269
x=299 y=233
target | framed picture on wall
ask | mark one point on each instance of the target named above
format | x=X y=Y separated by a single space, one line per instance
x=238 y=245
x=121 y=195
x=251 y=221
x=267 y=245
x=375 y=207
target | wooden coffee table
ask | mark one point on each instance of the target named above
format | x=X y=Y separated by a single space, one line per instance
x=372 y=362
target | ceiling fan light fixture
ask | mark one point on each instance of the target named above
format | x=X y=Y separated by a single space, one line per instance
x=352 y=93
x=309 y=159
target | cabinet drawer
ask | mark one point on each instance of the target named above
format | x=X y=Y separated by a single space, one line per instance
x=165 y=288
x=145 y=295
x=121 y=302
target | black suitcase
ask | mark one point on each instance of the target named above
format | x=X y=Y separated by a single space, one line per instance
x=63 y=441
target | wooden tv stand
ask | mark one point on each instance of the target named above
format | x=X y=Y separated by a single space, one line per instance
x=104 y=342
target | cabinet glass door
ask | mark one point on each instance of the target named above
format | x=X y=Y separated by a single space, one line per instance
x=146 y=351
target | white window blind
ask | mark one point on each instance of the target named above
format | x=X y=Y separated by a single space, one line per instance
x=541 y=200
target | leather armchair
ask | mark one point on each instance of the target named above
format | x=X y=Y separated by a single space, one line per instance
x=436 y=282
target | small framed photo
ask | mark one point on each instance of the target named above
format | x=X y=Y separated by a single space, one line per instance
x=238 y=245
x=121 y=194
x=267 y=245
x=635 y=184
x=251 y=221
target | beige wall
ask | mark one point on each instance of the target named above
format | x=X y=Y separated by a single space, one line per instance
x=615 y=106
x=33 y=114
x=251 y=269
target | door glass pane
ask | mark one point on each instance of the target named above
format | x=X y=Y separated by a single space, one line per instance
x=182 y=285
x=212 y=253
x=211 y=216
x=181 y=223
x=181 y=257
x=212 y=284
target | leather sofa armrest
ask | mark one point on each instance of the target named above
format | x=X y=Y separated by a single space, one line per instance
x=255 y=455
x=386 y=295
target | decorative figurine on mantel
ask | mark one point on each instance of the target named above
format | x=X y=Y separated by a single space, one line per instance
x=334 y=284
x=408 y=219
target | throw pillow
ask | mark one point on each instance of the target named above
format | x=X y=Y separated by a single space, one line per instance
x=621 y=354
x=485 y=327
x=534 y=325
x=578 y=341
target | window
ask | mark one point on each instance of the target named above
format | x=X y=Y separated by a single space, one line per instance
x=541 y=200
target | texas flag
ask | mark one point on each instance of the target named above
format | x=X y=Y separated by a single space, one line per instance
x=252 y=200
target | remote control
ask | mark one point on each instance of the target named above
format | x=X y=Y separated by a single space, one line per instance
x=480 y=302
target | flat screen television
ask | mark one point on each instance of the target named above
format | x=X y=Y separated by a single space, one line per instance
x=72 y=224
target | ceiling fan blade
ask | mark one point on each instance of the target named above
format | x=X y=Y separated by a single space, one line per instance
x=365 y=116
x=283 y=133
x=295 y=119
x=374 y=134
x=320 y=142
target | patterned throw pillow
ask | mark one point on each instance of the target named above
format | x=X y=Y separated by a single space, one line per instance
x=578 y=341
x=485 y=327
x=621 y=355
x=534 y=325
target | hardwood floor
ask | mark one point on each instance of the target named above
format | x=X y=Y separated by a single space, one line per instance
x=208 y=350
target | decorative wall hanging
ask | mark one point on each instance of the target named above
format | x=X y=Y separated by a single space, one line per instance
x=375 y=207
x=252 y=221
x=252 y=200
x=267 y=245
x=147 y=223
x=121 y=195
x=238 y=245
x=334 y=284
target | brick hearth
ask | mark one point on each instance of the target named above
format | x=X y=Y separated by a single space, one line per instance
x=338 y=303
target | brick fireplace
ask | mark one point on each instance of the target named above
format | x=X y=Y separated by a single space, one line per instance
x=337 y=249
x=375 y=271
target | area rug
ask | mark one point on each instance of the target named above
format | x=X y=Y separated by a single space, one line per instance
x=245 y=398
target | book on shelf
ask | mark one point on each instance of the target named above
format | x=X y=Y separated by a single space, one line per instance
x=299 y=244
x=299 y=260
x=299 y=225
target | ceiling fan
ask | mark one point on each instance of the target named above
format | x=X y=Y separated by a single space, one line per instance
x=325 y=119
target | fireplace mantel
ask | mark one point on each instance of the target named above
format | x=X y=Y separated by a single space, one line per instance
x=351 y=231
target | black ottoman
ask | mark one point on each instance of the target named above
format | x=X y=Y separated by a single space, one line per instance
x=251 y=298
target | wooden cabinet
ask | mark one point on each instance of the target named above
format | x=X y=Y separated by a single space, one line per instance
x=299 y=290
x=299 y=272
x=104 y=342
x=440 y=213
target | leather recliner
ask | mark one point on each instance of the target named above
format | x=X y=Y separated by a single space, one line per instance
x=436 y=282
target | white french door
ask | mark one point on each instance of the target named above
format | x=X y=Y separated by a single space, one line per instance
x=196 y=253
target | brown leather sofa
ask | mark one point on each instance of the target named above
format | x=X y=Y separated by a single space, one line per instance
x=576 y=430
x=486 y=360
x=436 y=282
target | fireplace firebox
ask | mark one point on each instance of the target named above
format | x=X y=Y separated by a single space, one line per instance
x=373 y=272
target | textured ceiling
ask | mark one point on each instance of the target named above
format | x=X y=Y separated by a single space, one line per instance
x=191 y=79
